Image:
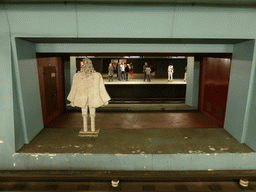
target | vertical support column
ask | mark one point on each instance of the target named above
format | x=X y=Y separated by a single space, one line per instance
x=26 y=72
x=7 y=128
x=72 y=67
x=193 y=70
x=67 y=80
x=240 y=87
x=249 y=132
x=72 y=72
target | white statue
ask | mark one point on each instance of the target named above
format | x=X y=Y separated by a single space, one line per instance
x=185 y=75
x=88 y=91
x=170 y=72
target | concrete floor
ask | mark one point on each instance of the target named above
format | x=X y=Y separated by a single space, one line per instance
x=137 y=133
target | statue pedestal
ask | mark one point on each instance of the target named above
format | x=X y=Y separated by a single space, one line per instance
x=89 y=134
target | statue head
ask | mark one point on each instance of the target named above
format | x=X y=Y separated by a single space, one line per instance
x=87 y=66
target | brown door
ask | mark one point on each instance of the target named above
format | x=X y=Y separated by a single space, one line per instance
x=214 y=83
x=50 y=72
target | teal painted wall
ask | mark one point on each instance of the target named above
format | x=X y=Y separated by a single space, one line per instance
x=28 y=88
x=7 y=143
x=240 y=77
x=250 y=131
x=72 y=20
x=128 y=21
x=69 y=20
x=145 y=162
x=20 y=136
x=42 y=20
x=210 y=22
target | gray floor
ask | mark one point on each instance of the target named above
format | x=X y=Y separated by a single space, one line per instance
x=136 y=141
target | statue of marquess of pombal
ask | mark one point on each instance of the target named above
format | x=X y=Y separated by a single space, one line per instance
x=88 y=91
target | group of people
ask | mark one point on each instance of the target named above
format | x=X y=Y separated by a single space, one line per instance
x=124 y=71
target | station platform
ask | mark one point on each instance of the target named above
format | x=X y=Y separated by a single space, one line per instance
x=141 y=81
x=138 y=78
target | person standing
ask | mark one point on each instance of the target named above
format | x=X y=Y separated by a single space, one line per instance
x=126 y=72
x=118 y=70
x=131 y=71
x=110 y=72
x=148 y=71
x=122 y=71
x=144 y=70
x=170 y=72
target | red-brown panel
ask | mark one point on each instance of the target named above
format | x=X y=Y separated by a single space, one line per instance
x=214 y=87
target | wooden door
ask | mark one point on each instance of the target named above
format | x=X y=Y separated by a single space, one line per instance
x=51 y=82
x=214 y=83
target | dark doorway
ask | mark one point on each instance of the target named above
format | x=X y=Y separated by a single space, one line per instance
x=50 y=73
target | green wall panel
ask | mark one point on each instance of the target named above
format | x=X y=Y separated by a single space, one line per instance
x=120 y=21
x=72 y=20
x=206 y=22
x=42 y=20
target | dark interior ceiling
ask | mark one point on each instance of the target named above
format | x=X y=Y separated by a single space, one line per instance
x=240 y=3
x=135 y=40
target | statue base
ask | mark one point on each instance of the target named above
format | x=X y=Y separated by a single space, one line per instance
x=89 y=134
